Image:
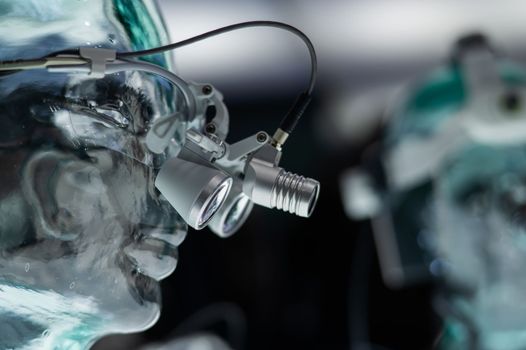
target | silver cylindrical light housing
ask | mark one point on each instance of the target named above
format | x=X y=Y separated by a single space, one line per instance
x=195 y=191
x=273 y=187
x=233 y=214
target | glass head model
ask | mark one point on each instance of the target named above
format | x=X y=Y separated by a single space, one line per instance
x=84 y=235
x=449 y=187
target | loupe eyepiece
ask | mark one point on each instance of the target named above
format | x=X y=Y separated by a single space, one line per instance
x=195 y=191
x=233 y=214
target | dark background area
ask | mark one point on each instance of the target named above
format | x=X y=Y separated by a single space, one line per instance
x=298 y=283
x=292 y=276
x=284 y=282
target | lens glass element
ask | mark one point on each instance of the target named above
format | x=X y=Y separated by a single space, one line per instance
x=237 y=214
x=215 y=201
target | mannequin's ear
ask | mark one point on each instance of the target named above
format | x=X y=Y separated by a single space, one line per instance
x=39 y=178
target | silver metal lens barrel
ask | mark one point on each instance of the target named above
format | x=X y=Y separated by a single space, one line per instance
x=195 y=191
x=273 y=187
x=233 y=214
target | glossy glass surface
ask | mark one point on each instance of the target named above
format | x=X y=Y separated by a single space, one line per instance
x=470 y=216
x=237 y=214
x=84 y=237
x=214 y=203
x=479 y=220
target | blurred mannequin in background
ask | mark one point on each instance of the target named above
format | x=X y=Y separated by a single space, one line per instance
x=446 y=194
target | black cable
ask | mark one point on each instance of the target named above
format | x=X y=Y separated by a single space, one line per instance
x=230 y=28
x=289 y=122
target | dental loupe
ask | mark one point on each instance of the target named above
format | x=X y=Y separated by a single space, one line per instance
x=209 y=182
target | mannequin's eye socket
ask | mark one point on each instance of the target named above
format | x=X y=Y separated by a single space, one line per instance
x=473 y=195
x=476 y=200
x=480 y=198
x=512 y=198
x=110 y=104
x=108 y=115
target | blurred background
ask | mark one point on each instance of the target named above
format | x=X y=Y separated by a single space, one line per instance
x=284 y=282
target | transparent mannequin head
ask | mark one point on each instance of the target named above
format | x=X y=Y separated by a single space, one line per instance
x=84 y=235
x=468 y=209
x=478 y=224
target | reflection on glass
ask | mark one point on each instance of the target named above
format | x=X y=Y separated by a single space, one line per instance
x=84 y=237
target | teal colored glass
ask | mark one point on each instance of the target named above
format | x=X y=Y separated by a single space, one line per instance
x=84 y=236
x=479 y=222
x=472 y=217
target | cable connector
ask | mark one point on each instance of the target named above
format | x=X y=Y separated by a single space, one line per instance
x=98 y=58
x=279 y=138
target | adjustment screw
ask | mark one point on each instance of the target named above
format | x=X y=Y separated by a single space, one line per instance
x=261 y=137
x=207 y=89
x=210 y=128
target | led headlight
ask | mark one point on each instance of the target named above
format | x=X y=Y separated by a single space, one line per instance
x=273 y=187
